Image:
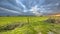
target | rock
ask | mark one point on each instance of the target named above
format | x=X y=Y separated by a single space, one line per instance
x=50 y=32
x=39 y=33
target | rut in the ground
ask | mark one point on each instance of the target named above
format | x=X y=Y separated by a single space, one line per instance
x=10 y=26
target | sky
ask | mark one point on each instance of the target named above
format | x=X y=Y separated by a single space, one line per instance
x=29 y=7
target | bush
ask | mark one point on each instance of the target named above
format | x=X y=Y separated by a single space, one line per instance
x=53 y=20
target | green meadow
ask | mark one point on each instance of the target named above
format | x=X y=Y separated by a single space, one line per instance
x=28 y=25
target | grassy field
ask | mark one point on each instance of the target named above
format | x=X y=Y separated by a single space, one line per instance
x=33 y=25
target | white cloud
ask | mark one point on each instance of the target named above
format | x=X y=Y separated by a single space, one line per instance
x=57 y=4
x=35 y=10
x=18 y=2
x=25 y=10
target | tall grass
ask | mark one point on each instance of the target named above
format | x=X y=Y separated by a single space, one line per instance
x=36 y=25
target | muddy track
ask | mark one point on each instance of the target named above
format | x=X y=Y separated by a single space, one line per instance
x=11 y=26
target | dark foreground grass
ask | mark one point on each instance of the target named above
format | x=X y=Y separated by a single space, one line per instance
x=36 y=25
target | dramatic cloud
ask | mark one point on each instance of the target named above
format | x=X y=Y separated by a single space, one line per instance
x=29 y=7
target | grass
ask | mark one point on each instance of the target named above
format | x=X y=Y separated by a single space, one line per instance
x=36 y=25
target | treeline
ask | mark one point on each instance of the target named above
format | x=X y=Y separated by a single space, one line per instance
x=20 y=15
